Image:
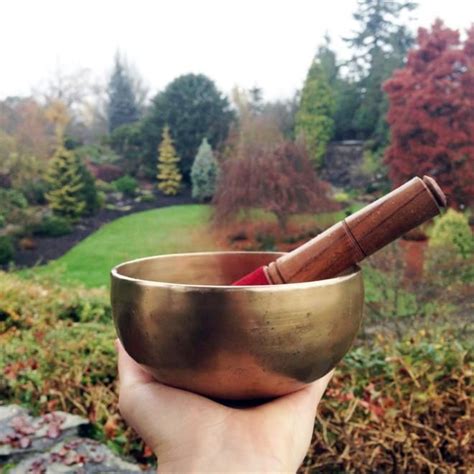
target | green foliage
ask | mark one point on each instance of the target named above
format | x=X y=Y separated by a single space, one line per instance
x=13 y=205
x=7 y=250
x=314 y=120
x=57 y=353
x=193 y=108
x=89 y=191
x=452 y=229
x=53 y=226
x=65 y=196
x=122 y=107
x=380 y=46
x=204 y=173
x=169 y=176
x=96 y=154
x=450 y=256
x=127 y=141
x=127 y=185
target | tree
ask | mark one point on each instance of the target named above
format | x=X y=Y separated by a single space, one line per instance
x=65 y=196
x=204 y=173
x=169 y=176
x=193 y=108
x=431 y=114
x=281 y=181
x=379 y=46
x=122 y=107
x=314 y=120
x=127 y=141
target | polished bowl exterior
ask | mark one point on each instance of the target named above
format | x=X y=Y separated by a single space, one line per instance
x=178 y=317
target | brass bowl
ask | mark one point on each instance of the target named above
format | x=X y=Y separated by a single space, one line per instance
x=178 y=317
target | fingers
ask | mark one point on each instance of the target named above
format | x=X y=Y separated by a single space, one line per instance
x=130 y=372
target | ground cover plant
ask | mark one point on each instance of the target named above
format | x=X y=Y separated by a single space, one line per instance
x=393 y=403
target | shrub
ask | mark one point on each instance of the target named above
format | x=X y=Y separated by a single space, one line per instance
x=126 y=185
x=35 y=191
x=89 y=191
x=7 y=249
x=2 y=221
x=106 y=172
x=204 y=173
x=13 y=205
x=452 y=229
x=53 y=226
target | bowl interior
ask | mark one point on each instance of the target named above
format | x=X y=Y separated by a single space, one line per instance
x=216 y=268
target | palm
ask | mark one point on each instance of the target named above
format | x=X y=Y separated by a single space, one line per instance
x=185 y=428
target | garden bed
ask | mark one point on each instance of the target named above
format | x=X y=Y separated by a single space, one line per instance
x=45 y=249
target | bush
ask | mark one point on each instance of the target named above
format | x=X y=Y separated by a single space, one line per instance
x=2 y=221
x=35 y=191
x=53 y=226
x=126 y=185
x=13 y=204
x=106 y=172
x=7 y=250
x=89 y=192
x=452 y=229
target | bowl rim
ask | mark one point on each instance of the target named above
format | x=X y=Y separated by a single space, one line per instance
x=116 y=275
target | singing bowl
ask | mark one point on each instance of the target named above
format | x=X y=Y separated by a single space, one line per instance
x=178 y=317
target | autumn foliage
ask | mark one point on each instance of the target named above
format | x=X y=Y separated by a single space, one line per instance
x=280 y=180
x=431 y=113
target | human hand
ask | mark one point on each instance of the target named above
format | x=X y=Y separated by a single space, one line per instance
x=191 y=433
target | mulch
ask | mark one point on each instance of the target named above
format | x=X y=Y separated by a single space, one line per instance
x=51 y=248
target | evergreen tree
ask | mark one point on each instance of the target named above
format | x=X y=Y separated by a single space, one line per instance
x=204 y=173
x=380 y=46
x=193 y=108
x=169 y=176
x=314 y=119
x=65 y=196
x=122 y=107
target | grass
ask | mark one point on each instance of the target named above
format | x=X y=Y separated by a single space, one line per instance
x=159 y=231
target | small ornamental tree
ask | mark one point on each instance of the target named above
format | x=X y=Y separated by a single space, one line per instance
x=204 y=173
x=314 y=120
x=281 y=181
x=169 y=176
x=66 y=186
x=431 y=113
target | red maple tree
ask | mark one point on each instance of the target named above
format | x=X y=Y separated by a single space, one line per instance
x=280 y=180
x=431 y=113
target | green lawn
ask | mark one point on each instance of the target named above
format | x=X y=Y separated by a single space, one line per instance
x=159 y=231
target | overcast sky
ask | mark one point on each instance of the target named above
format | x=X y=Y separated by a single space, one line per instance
x=267 y=43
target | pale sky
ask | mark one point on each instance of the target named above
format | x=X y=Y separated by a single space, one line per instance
x=264 y=43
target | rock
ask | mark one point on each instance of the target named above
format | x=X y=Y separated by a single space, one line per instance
x=78 y=456
x=22 y=434
x=51 y=444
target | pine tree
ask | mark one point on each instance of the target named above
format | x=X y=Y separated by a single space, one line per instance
x=122 y=107
x=169 y=176
x=314 y=120
x=380 y=46
x=204 y=173
x=65 y=196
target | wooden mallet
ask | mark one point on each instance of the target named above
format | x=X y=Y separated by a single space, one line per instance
x=356 y=237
